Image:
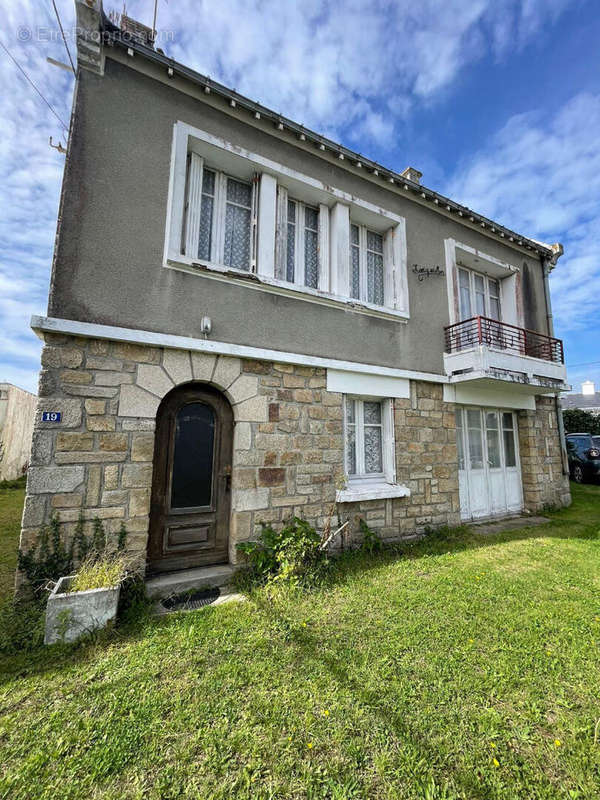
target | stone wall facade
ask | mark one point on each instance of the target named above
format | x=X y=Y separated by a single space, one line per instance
x=288 y=456
x=426 y=462
x=544 y=483
x=288 y=443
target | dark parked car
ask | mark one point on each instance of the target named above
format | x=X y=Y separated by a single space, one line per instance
x=584 y=456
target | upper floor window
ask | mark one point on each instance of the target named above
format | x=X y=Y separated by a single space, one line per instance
x=302 y=244
x=479 y=295
x=230 y=209
x=219 y=217
x=367 y=280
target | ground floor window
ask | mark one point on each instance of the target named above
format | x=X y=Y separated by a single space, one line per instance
x=364 y=439
x=369 y=440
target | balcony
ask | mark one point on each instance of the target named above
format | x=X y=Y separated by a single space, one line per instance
x=486 y=351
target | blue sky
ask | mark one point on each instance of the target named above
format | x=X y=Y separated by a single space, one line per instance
x=496 y=101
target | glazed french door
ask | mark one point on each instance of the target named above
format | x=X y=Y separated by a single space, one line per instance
x=488 y=462
x=479 y=295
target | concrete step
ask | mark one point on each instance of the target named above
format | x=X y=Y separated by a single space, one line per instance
x=188 y=580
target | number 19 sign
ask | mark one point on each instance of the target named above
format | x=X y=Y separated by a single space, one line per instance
x=51 y=416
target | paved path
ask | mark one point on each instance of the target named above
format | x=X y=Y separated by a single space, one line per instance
x=489 y=528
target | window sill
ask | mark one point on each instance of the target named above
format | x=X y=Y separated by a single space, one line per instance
x=374 y=491
x=275 y=286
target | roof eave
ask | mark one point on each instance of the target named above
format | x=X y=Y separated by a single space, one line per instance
x=327 y=145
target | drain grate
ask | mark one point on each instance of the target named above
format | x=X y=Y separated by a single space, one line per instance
x=189 y=601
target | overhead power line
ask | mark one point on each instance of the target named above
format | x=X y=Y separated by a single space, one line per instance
x=63 y=35
x=583 y=364
x=28 y=79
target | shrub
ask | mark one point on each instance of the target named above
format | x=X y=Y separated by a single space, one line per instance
x=21 y=625
x=371 y=543
x=576 y=420
x=134 y=604
x=49 y=559
x=16 y=483
x=293 y=555
x=122 y=537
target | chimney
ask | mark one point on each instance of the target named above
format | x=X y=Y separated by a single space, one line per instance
x=137 y=31
x=587 y=387
x=412 y=174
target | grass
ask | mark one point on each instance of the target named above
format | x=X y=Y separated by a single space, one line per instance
x=12 y=495
x=97 y=573
x=466 y=667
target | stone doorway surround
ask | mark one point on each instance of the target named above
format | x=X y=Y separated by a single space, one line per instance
x=98 y=458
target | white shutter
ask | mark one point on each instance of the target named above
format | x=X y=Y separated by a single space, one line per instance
x=389 y=446
x=267 y=215
x=323 y=247
x=218 y=223
x=390 y=269
x=339 y=250
x=192 y=205
x=281 y=234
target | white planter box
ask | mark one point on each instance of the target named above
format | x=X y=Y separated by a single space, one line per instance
x=71 y=614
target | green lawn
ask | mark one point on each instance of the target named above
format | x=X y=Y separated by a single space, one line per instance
x=465 y=668
x=11 y=508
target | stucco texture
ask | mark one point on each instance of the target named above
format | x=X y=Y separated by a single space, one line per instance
x=108 y=263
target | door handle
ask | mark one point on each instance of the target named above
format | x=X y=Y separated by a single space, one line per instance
x=227 y=475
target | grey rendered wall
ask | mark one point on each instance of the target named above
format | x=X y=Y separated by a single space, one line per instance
x=108 y=261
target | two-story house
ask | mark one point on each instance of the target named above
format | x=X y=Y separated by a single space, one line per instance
x=248 y=321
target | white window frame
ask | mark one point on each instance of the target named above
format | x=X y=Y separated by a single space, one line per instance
x=281 y=261
x=388 y=474
x=487 y=279
x=228 y=158
x=459 y=255
x=363 y=250
x=192 y=214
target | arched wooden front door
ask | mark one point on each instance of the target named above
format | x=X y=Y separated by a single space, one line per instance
x=191 y=497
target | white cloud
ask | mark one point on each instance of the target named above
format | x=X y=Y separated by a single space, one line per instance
x=30 y=176
x=345 y=60
x=540 y=175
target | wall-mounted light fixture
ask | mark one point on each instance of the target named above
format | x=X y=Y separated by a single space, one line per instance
x=206 y=326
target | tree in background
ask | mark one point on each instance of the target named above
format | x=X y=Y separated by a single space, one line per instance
x=578 y=421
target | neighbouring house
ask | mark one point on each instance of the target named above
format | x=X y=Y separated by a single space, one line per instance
x=17 y=411
x=586 y=400
x=248 y=320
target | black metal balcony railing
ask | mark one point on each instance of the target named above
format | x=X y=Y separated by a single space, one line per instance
x=483 y=330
